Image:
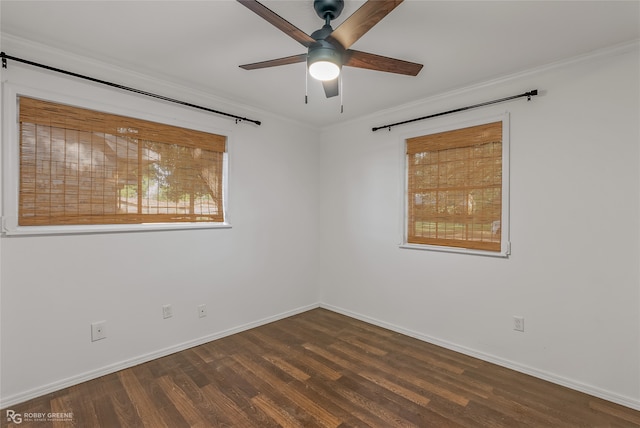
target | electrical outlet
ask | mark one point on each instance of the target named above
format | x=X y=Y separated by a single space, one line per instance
x=98 y=330
x=167 y=311
x=202 y=311
x=518 y=323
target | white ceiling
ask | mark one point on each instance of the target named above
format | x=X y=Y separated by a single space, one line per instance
x=199 y=44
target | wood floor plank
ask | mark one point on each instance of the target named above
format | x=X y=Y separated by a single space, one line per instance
x=370 y=349
x=378 y=404
x=432 y=360
x=83 y=404
x=193 y=367
x=101 y=391
x=363 y=360
x=183 y=404
x=464 y=386
x=615 y=410
x=290 y=369
x=124 y=407
x=231 y=380
x=302 y=360
x=398 y=389
x=142 y=402
x=356 y=415
x=200 y=404
x=303 y=402
x=61 y=405
x=321 y=369
x=230 y=414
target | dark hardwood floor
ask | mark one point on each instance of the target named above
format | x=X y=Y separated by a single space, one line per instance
x=320 y=369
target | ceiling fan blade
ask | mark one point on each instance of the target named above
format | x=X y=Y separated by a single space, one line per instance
x=276 y=62
x=371 y=61
x=330 y=87
x=279 y=22
x=362 y=20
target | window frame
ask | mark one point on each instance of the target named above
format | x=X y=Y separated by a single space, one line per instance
x=11 y=160
x=505 y=243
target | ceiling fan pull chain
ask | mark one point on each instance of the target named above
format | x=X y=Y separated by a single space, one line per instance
x=306 y=86
x=341 y=77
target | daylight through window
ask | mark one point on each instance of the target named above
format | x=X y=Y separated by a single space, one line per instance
x=83 y=167
x=455 y=188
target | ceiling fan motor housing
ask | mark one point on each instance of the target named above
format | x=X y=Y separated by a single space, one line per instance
x=330 y=9
x=322 y=50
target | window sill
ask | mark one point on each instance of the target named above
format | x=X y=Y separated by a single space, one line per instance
x=14 y=230
x=499 y=254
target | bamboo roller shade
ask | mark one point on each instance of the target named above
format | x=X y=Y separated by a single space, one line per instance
x=63 y=116
x=455 y=188
x=464 y=137
x=76 y=163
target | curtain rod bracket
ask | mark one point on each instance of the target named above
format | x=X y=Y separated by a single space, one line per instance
x=4 y=60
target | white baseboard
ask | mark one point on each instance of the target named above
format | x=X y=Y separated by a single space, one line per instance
x=550 y=377
x=112 y=368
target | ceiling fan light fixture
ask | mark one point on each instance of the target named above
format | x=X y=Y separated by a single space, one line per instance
x=324 y=61
x=324 y=70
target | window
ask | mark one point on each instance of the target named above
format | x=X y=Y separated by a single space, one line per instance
x=456 y=189
x=84 y=167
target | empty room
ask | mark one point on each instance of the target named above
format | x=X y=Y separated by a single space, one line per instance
x=358 y=213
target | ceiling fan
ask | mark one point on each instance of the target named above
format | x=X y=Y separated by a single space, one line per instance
x=328 y=49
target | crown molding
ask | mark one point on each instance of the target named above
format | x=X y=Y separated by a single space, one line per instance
x=163 y=85
x=597 y=55
x=157 y=83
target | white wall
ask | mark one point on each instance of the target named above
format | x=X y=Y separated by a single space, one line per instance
x=264 y=267
x=317 y=218
x=574 y=269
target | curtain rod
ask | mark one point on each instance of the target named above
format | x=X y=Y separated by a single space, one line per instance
x=528 y=94
x=5 y=57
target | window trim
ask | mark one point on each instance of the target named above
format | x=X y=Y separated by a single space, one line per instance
x=11 y=161
x=505 y=243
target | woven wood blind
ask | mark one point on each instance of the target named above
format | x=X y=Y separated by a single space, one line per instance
x=82 y=167
x=455 y=188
